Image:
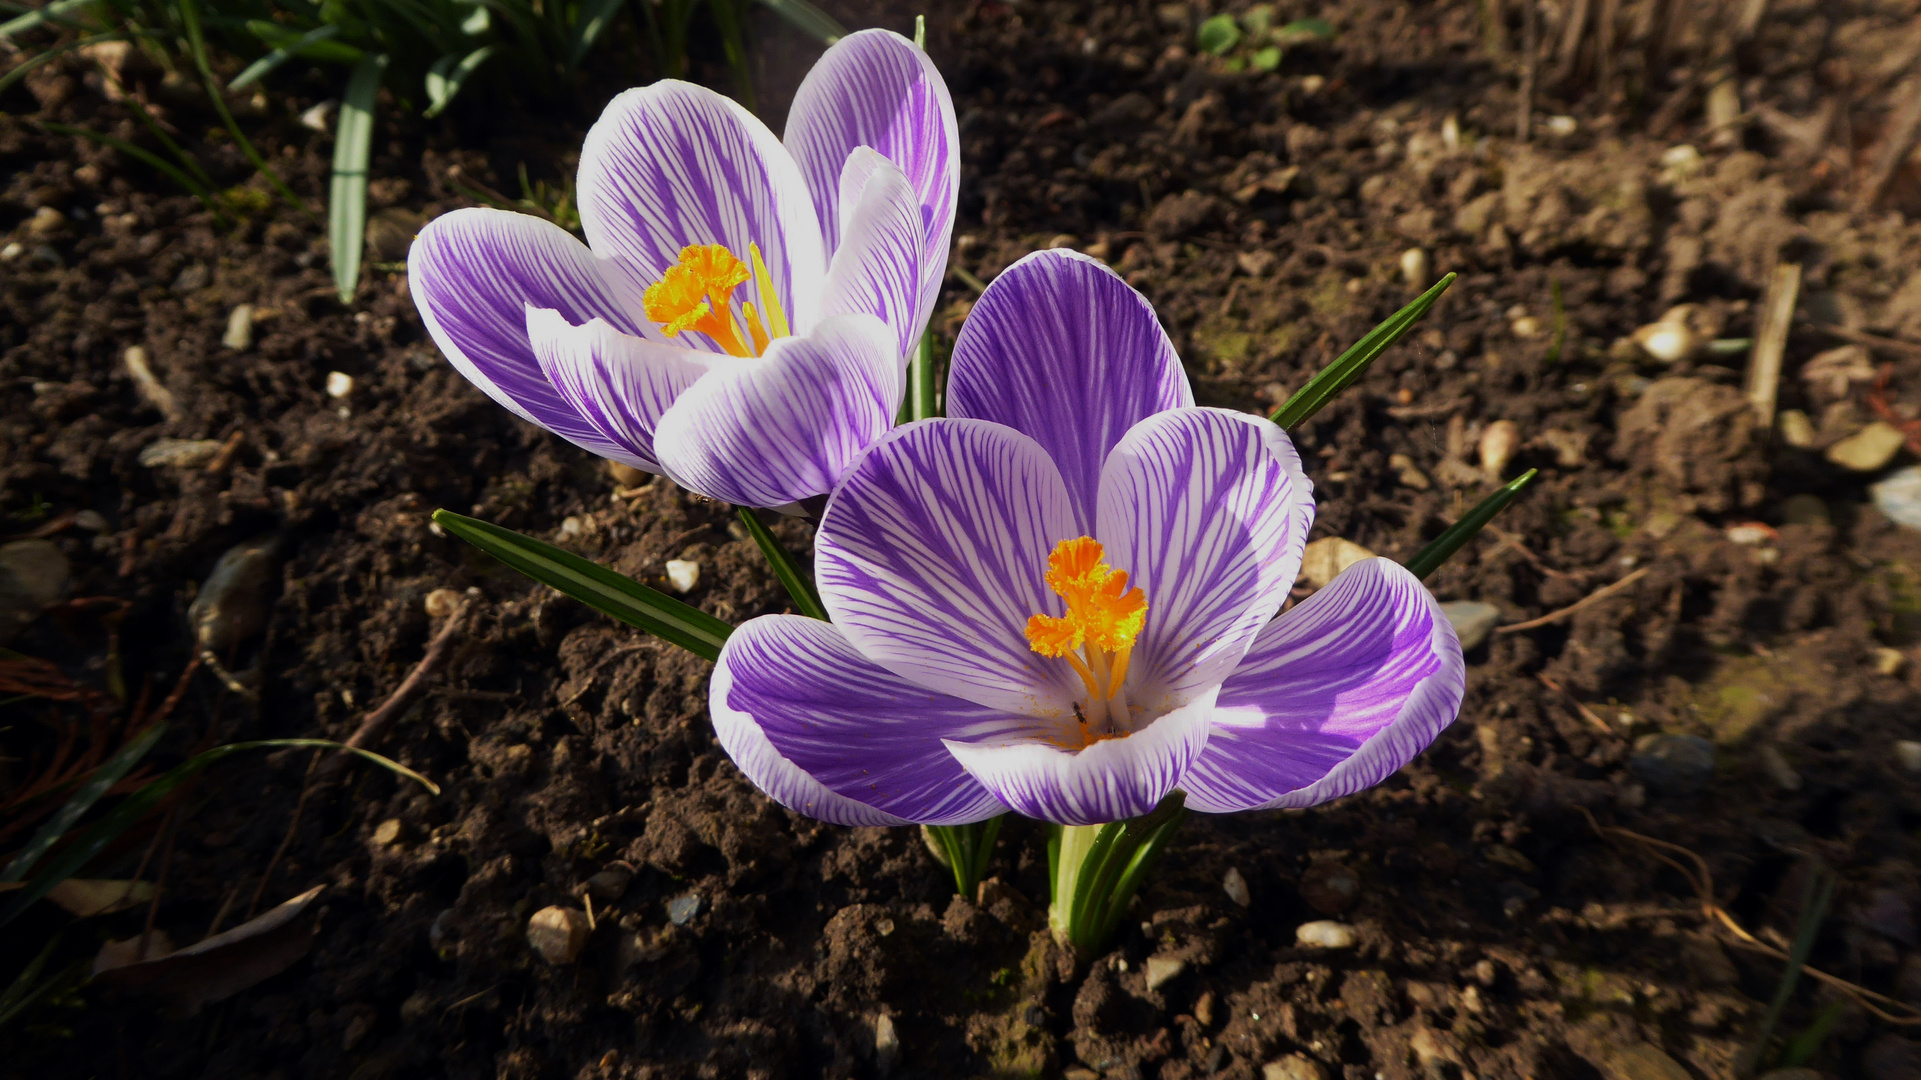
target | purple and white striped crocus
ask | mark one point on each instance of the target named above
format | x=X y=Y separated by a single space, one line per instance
x=635 y=345
x=1062 y=600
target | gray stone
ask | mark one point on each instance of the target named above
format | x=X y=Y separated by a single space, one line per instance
x=610 y=884
x=236 y=598
x=1162 y=970
x=1870 y=448
x=1898 y=495
x=179 y=453
x=33 y=574
x=1473 y=621
x=1676 y=764
x=681 y=909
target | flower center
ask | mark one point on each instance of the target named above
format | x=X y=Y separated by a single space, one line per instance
x=1096 y=636
x=697 y=294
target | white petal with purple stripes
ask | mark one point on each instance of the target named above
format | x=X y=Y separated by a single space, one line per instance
x=876 y=268
x=1335 y=696
x=874 y=88
x=850 y=725
x=473 y=272
x=674 y=164
x=1059 y=347
x=1208 y=512
x=933 y=553
x=1107 y=781
x=620 y=384
x=786 y=425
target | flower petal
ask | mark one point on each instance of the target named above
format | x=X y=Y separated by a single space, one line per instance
x=473 y=272
x=933 y=553
x=875 y=88
x=876 y=270
x=847 y=724
x=674 y=164
x=1059 y=347
x=1334 y=696
x=1107 y=781
x=777 y=428
x=618 y=383
x=1208 y=512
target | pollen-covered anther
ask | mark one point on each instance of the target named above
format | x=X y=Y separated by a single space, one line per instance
x=696 y=294
x=1097 y=634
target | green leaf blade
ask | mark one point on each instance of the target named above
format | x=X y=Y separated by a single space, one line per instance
x=1353 y=363
x=1455 y=536
x=347 y=194
x=596 y=586
x=104 y=778
x=786 y=567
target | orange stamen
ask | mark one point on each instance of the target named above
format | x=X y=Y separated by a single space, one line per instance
x=1103 y=618
x=697 y=294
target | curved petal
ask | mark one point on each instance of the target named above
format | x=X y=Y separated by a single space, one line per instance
x=777 y=428
x=876 y=270
x=472 y=274
x=848 y=724
x=618 y=383
x=674 y=164
x=875 y=88
x=1208 y=512
x=1059 y=347
x=1334 y=696
x=1107 y=781
x=933 y=553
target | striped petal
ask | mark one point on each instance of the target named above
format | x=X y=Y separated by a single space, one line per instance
x=473 y=274
x=1107 y=781
x=620 y=384
x=933 y=553
x=1059 y=347
x=1334 y=697
x=783 y=426
x=674 y=164
x=798 y=700
x=1208 y=512
x=875 y=88
x=876 y=270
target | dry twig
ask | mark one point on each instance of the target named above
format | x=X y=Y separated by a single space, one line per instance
x=1586 y=713
x=1872 y=341
x=398 y=702
x=1771 y=341
x=1594 y=597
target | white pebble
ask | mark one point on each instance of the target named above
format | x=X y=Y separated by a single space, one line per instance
x=11 y=252
x=1235 y=886
x=1498 y=444
x=683 y=575
x=1325 y=934
x=239 y=335
x=339 y=384
x=1562 y=126
x=442 y=602
x=681 y=909
x=1415 y=267
x=315 y=116
x=1162 y=970
x=557 y=934
x=1908 y=752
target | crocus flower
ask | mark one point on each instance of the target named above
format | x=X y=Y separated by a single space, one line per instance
x=741 y=314
x=1062 y=600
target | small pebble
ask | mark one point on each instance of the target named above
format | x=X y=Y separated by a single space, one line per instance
x=683 y=575
x=1473 y=621
x=235 y=600
x=610 y=884
x=1325 y=934
x=1485 y=972
x=46 y=221
x=1671 y=338
x=1204 y=1008
x=1779 y=770
x=239 y=335
x=1795 y=428
x=1676 y=764
x=91 y=520
x=387 y=832
x=1898 y=496
x=573 y=528
x=1561 y=126
x=1416 y=267
x=1235 y=886
x=147 y=384
x=557 y=934
x=442 y=933
x=886 y=1044
x=443 y=602
x=1162 y=970
x=625 y=476
x=1324 y=559
x=1293 y=1067
x=12 y=251
x=339 y=384
x=314 y=117
x=1869 y=449
x=179 y=453
x=1330 y=887
x=33 y=574
x=1889 y=661
x=681 y=909
x=1681 y=162
x=1498 y=444
x=1751 y=533
x=1908 y=753
x=1407 y=473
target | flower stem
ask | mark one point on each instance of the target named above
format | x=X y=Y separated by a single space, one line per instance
x=965 y=849
x=1097 y=869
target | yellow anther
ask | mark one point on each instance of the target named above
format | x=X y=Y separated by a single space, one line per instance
x=697 y=294
x=1096 y=636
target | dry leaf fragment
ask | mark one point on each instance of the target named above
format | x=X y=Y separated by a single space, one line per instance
x=222 y=965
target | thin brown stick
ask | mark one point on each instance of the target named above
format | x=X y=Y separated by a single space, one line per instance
x=1771 y=342
x=1902 y=135
x=1702 y=881
x=306 y=789
x=1586 y=713
x=1512 y=542
x=1872 y=341
x=398 y=702
x=1594 y=597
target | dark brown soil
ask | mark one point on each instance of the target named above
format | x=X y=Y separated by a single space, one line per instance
x=1266 y=216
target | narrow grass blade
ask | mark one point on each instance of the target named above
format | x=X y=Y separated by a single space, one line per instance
x=1814 y=910
x=264 y=66
x=808 y=19
x=1443 y=547
x=786 y=567
x=136 y=806
x=103 y=780
x=21 y=70
x=593 y=19
x=165 y=167
x=347 y=195
x=55 y=13
x=730 y=19
x=1350 y=365
x=446 y=77
x=596 y=586
x=197 y=44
